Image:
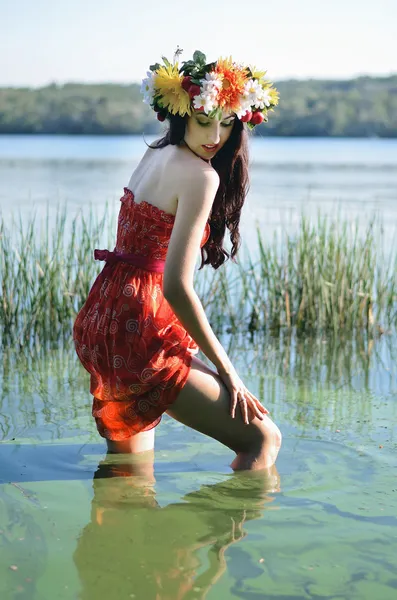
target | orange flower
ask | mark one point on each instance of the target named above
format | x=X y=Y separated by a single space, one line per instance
x=233 y=80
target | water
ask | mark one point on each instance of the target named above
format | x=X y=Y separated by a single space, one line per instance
x=76 y=524
x=358 y=177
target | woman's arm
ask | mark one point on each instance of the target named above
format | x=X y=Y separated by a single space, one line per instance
x=196 y=193
x=188 y=308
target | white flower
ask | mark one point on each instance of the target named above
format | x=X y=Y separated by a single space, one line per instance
x=211 y=85
x=209 y=90
x=256 y=94
x=245 y=106
x=266 y=97
x=147 y=87
x=204 y=101
x=214 y=79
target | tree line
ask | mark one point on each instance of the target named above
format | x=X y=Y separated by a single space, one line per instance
x=361 y=107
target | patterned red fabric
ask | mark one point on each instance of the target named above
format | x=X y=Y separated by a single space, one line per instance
x=126 y=334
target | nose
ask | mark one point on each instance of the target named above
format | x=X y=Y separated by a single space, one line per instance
x=214 y=135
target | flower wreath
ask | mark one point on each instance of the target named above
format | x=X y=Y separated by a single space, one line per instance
x=212 y=88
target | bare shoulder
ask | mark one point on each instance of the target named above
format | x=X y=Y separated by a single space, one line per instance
x=191 y=170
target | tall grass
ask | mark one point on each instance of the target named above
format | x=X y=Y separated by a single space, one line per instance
x=45 y=274
x=309 y=382
x=331 y=276
x=326 y=277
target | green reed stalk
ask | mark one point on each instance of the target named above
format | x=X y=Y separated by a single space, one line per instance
x=325 y=278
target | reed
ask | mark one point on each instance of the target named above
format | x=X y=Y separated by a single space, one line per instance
x=46 y=272
x=305 y=381
x=331 y=276
x=328 y=277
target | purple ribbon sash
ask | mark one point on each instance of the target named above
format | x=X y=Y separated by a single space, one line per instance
x=145 y=262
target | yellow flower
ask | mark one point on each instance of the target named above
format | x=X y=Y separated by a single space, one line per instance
x=168 y=84
x=274 y=96
x=257 y=74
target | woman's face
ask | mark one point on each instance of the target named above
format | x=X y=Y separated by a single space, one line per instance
x=205 y=136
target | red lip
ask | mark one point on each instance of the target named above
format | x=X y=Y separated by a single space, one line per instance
x=210 y=149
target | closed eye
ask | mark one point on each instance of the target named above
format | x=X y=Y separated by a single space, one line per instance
x=228 y=124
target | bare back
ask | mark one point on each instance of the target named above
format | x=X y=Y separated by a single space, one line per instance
x=156 y=177
x=177 y=181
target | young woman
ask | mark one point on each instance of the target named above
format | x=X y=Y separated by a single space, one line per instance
x=142 y=324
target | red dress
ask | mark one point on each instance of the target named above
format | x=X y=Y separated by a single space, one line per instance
x=126 y=334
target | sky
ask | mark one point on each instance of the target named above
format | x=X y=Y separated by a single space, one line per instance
x=101 y=41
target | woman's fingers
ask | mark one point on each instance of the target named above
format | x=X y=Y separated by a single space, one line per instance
x=259 y=413
x=255 y=410
x=244 y=410
x=233 y=406
x=258 y=403
x=249 y=402
x=262 y=408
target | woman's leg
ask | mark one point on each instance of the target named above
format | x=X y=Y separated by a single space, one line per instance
x=141 y=442
x=204 y=404
x=138 y=459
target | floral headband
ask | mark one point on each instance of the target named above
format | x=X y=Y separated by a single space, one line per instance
x=212 y=88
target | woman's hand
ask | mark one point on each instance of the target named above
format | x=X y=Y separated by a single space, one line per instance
x=240 y=395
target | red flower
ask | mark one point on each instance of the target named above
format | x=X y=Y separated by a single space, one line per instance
x=247 y=117
x=194 y=90
x=257 y=118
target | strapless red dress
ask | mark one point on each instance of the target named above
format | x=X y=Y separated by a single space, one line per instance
x=126 y=335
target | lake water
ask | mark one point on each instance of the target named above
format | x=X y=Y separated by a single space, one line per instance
x=358 y=177
x=76 y=524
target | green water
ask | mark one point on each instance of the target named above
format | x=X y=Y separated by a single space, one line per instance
x=324 y=525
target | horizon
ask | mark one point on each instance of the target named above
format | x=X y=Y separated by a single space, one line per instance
x=126 y=83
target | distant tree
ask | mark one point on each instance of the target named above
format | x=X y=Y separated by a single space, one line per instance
x=360 y=107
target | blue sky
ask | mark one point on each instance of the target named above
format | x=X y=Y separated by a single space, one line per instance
x=43 y=41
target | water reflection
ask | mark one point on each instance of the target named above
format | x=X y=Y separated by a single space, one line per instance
x=306 y=382
x=135 y=548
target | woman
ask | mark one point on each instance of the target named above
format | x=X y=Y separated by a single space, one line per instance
x=142 y=324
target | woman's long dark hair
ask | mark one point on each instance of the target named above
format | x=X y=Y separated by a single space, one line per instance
x=231 y=164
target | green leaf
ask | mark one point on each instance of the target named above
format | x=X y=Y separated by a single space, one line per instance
x=215 y=113
x=186 y=66
x=218 y=113
x=198 y=73
x=157 y=101
x=154 y=67
x=199 y=57
x=166 y=61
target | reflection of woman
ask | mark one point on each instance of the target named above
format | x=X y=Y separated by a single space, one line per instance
x=142 y=323
x=134 y=548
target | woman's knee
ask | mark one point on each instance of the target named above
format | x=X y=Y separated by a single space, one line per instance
x=204 y=404
x=277 y=435
x=264 y=433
